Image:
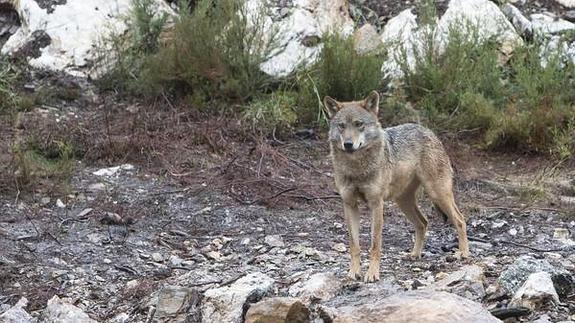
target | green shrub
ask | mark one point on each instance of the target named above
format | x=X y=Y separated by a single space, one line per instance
x=215 y=52
x=8 y=76
x=521 y=104
x=129 y=52
x=339 y=72
x=272 y=112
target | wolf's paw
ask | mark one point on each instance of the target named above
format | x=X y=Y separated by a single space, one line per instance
x=371 y=276
x=462 y=255
x=354 y=274
x=415 y=255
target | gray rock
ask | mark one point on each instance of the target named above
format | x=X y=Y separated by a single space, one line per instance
x=278 y=309
x=176 y=303
x=60 y=311
x=517 y=273
x=570 y=15
x=17 y=314
x=421 y=306
x=320 y=286
x=537 y=291
x=545 y=24
x=467 y=282
x=227 y=303
x=157 y=257
x=519 y=21
x=366 y=40
x=274 y=241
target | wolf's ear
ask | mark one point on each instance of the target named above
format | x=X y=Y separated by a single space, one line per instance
x=331 y=106
x=372 y=102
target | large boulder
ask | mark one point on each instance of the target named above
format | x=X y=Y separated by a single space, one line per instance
x=229 y=303
x=421 y=306
x=17 y=314
x=60 y=311
x=517 y=273
x=536 y=292
x=467 y=282
x=67 y=36
x=278 y=309
x=299 y=28
x=475 y=18
x=320 y=286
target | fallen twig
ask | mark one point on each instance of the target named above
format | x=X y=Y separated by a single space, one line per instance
x=273 y=196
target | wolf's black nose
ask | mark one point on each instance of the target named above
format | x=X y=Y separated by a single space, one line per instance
x=348 y=145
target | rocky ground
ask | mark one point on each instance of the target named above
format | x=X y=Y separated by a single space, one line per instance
x=126 y=243
x=178 y=216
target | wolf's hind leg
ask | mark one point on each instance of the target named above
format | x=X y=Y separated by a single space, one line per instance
x=441 y=193
x=407 y=202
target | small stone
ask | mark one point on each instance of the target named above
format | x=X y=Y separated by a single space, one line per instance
x=320 y=286
x=107 y=261
x=131 y=284
x=498 y=224
x=570 y=15
x=175 y=260
x=339 y=247
x=214 y=255
x=157 y=257
x=17 y=314
x=96 y=187
x=512 y=231
x=245 y=241
x=59 y=310
x=60 y=204
x=561 y=234
x=537 y=291
x=45 y=201
x=274 y=241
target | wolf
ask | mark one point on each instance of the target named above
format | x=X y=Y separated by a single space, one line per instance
x=374 y=164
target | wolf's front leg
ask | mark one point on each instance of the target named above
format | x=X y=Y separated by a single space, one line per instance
x=376 y=208
x=351 y=213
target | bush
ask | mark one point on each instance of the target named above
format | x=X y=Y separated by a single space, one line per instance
x=339 y=72
x=272 y=112
x=215 y=52
x=8 y=76
x=130 y=52
x=522 y=104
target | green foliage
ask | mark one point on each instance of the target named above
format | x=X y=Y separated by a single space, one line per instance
x=340 y=72
x=8 y=76
x=129 y=52
x=272 y=112
x=521 y=104
x=215 y=53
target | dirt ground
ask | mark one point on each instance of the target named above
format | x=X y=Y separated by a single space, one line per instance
x=194 y=197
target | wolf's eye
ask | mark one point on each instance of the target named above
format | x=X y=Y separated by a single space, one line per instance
x=341 y=125
x=358 y=124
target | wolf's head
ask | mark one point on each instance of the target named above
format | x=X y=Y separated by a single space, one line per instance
x=353 y=125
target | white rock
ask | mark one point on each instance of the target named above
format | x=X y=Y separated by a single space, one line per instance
x=519 y=21
x=366 y=40
x=225 y=304
x=400 y=34
x=536 y=291
x=17 y=314
x=60 y=204
x=173 y=302
x=110 y=171
x=214 y=255
x=403 y=35
x=339 y=247
x=305 y=19
x=482 y=14
x=175 y=260
x=59 y=311
x=157 y=257
x=545 y=24
x=567 y=3
x=320 y=286
x=274 y=241
x=76 y=28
